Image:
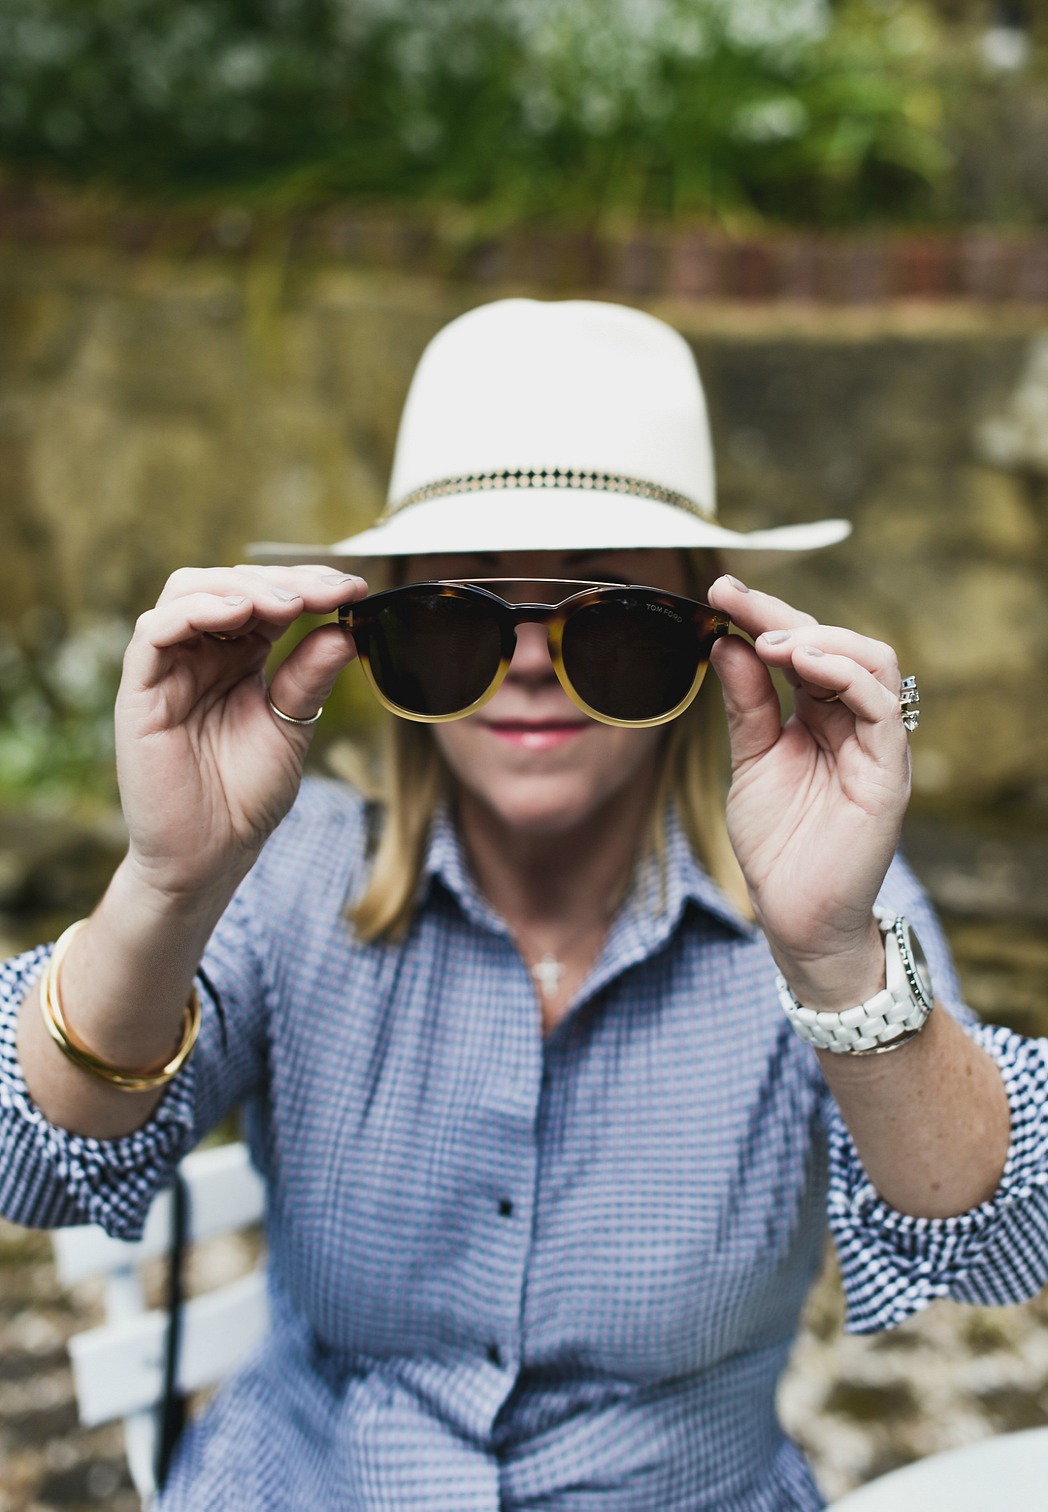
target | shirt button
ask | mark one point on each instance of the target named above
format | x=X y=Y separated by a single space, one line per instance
x=494 y=1354
x=505 y=1208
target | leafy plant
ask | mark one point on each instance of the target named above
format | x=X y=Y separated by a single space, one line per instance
x=56 y=707
x=784 y=109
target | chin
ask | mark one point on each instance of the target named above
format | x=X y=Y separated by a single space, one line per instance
x=544 y=809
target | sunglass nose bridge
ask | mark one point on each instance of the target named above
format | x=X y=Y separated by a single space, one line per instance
x=533 y=614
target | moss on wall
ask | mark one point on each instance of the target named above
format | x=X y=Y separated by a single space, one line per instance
x=155 y=412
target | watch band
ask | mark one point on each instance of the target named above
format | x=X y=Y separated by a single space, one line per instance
x=886 y=1021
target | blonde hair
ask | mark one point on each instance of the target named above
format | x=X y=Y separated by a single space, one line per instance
x=693 y=779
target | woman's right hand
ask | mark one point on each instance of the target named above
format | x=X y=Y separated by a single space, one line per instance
x=206 y=773
x=206 y=770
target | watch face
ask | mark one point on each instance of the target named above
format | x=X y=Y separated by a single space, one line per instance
x=915 y=963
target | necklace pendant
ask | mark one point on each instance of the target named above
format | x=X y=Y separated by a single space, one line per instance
x=548 y=973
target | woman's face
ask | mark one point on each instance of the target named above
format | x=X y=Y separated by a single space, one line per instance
x=529 y=759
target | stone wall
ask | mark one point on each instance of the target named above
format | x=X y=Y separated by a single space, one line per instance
x=160 y=410
x=155 y=411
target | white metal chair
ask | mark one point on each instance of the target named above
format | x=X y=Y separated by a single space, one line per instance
x=119 y=1367
x=1005 y=1474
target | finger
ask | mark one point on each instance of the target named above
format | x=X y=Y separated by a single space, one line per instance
x=303 y=682
x=230 y=617
x=322 y=588
x=212 y=601
x=844 y=696
x=751 y=704
x=777 y=648
x=753 y=611
x=318 y=589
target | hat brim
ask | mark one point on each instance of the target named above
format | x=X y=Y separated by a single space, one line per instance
x=551 y=519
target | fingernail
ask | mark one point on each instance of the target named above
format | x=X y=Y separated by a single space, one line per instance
x=737 y=583
x=340 y=577
x=812 y=651
x=235 y=598
x=776 y=637
x=287 y=598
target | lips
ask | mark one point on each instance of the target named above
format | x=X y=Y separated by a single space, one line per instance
x=536 y=735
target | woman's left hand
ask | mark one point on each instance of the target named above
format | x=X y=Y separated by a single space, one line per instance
x=816 y=803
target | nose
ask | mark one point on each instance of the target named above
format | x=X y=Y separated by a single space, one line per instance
x=531 y=659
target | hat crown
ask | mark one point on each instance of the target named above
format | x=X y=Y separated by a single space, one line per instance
x=574 y=426
x=576 y=385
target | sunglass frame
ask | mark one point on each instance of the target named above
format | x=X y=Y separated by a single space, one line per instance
x=360 y=617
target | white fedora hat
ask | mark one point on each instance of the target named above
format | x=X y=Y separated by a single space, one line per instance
x=554 y=426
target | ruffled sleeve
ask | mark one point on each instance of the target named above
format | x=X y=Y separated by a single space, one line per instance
x=893 y=1265
x=50 y=1177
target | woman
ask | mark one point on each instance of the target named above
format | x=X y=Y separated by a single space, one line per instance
x=547 y=1164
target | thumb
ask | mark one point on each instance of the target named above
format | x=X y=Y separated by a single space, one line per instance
x=306 y=677
x=751 y=703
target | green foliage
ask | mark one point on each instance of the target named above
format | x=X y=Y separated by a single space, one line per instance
x=56 y=707
x=781 y=109
x=58 y=683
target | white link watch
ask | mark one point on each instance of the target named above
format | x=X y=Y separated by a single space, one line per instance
x=892 y=1017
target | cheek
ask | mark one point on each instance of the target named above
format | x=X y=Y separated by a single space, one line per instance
x=626 y=753
x=459 y=744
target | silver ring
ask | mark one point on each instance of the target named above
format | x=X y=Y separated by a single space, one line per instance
x=290 y=718
x=909 y=698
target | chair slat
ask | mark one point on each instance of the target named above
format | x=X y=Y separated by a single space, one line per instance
x=226 y=1193
x=118 y=1367
x=1010 y=1471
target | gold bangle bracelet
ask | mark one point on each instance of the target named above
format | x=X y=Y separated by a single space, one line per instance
x=126 y=1081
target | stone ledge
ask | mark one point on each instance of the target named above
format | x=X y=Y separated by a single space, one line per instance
x=687 y=262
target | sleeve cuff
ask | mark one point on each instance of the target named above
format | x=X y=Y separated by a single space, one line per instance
x=893 y=1264
x=51 y=1176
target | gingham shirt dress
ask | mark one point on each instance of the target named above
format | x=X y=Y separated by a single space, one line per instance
x=510 y=1272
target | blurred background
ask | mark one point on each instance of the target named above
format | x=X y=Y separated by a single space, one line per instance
x=229 y=227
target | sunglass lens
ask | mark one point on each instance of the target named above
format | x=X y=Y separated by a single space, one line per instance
x=433 y=652
x=631 y=656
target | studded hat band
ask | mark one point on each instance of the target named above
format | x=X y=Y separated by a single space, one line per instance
x=547 y=477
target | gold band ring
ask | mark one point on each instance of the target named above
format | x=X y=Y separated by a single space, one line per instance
x=290 y=718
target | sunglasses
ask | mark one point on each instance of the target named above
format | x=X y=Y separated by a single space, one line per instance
x=625 y=655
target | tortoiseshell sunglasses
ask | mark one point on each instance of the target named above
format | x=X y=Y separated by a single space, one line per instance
x=624 y=654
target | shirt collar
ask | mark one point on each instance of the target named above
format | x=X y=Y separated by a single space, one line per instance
x=666 y=892
x=445 y=862
x=656 y=903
